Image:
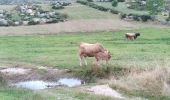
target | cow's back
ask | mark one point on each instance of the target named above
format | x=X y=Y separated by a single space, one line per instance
x=90 y=49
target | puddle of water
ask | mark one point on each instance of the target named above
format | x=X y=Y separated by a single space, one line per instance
x=14 y=71
x=70 y=82
x=36 y=85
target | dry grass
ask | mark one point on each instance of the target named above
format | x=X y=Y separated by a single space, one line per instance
x=148 y=82
x=70 y=26
x=7 y=7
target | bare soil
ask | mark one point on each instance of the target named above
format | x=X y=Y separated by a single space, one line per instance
x=88 y=25
x=13 y=75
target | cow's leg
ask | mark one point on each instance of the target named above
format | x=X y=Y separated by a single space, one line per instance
x=97 y=61
x=106 y=61
x=80 y=60
x=85 y=61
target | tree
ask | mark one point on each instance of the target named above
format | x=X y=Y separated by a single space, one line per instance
x=155 y=6
x=167 y=8
x=114 y=3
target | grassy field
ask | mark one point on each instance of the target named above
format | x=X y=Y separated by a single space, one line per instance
x=7 y=93
x=151 y=49
x=78 y=11
x=21 y=94
x=61 y=50
x=122 y=7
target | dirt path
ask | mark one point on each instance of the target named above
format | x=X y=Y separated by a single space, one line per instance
x=83 y=25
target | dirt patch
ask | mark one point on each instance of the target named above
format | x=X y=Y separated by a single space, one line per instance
x=83 y=25
x=12 y=71
x=13 y=75
x=106 y=91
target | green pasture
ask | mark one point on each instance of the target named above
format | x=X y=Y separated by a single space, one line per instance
x=61 y=51
x=11 y=93
x=78 y=11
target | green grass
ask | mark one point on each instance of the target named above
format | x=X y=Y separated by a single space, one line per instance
x=8 y=93
x=121 y=7
x=78 y=11
x=73 y=94
x=46 y=7
x=62 y=50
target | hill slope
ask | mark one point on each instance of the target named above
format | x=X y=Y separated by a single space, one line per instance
x=25 y=1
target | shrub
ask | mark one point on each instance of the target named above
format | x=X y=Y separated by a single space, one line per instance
x=92 y=72
x=121 y=0
x=3 y=22
x=66 y=3
x=57 y=7
x=90 y=0
x=113 y=11
x=114 y=3
x=33 y=22
x=136 y=18
x=102 y=8
x=82 y=2
x=64 y=15
x=2 y=80
x=122 y=16
x=145 y=18
x=167 y=19
x=11 y=23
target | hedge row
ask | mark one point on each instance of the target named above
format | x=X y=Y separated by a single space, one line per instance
x=135 y=17
x=90 y=4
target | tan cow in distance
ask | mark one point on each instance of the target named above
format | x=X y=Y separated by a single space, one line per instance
x=132 y=36
x=93 y=50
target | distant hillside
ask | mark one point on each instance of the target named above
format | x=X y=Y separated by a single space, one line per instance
x=26 y=1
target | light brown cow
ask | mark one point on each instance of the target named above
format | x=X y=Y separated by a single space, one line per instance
x=132 y=36
x=93 y=50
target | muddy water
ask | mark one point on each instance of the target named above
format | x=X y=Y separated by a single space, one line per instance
x=70 y=82
x=39 y=84
x=35 y=85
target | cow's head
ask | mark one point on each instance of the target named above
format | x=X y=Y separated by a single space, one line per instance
x=108 y=54
x=136 y=35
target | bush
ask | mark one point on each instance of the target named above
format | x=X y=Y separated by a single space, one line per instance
x=3 y=22
x=122 y=16
x=121 y=0
x=114 y=3
x=93 y=72
x=113 y=11
x=53 y=21
x=2 y=80
x=145 y=18
x=33 y=22
x=167 y=19
x=102 y=8
x=57 y=7
x=11 y=23
x=82 y=2
x=64 y=15
x=90 y=0
x=136 y=18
